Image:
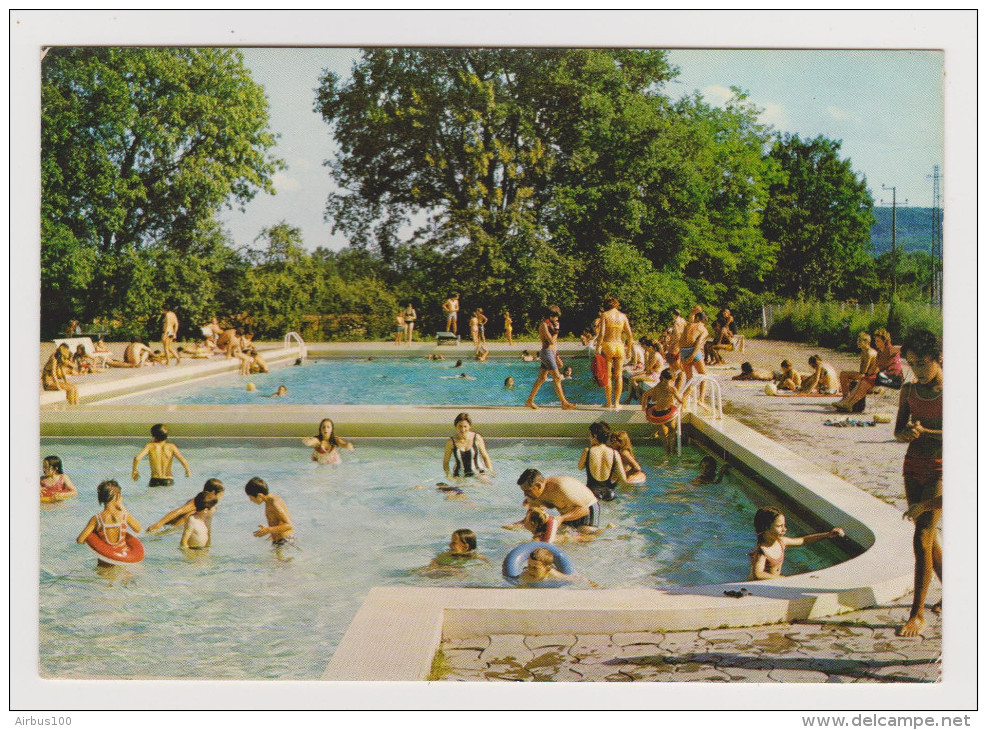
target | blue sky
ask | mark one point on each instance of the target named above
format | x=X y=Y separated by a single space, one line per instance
x=886 y=106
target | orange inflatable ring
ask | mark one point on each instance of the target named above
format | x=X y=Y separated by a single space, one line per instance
x=130 y=551
x=665 y=417
x=599 y=368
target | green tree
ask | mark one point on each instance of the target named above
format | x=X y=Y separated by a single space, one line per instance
x=819 y=217
x=140 y=147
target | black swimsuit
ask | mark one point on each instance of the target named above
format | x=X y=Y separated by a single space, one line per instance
x=466 y=459
x=604 y=490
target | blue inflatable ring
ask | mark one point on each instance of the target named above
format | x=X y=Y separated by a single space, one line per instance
x=517 y=557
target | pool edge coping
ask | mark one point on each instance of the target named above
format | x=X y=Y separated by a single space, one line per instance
x=397 y=630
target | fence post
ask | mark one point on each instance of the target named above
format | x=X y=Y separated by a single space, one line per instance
x=764 y=320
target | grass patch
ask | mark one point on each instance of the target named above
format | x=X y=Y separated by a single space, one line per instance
x=440 y=667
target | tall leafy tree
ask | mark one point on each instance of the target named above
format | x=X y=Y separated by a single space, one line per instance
x=819 y=216
x=139 y=148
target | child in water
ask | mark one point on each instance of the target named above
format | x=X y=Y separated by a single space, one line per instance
x=543 y=526
x=112 y=523
x=55 y=485
x=707 y=471
x=541 y=567
x=462 y=549
x=279 y=527
x=769 y=555
x=160 y=453
x=327 y=444
x=509 y=382
x=178 y=515
x=620 y=441
x=198 y=526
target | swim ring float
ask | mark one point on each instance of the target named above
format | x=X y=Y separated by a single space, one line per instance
x=127 y=552
x=655 y=416
x=518 y=556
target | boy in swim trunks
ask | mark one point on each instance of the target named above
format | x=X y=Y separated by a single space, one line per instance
x=451 y=307
x=660 y=404
x=549 y=333
x=279 y=527
x=178 y=515
x=160 y=453
x=919 y=424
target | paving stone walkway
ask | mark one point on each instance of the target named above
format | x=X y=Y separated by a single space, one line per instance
x=853 y=647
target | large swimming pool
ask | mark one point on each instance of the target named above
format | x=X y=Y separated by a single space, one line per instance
x=241 y=610
x=384 y=381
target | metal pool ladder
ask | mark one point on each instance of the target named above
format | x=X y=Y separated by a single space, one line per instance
x=299 y=343
x=715 y=395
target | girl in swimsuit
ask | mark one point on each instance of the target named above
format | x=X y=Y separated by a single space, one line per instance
x=467 y=448
x=769 y=555
x=55 y=486
x=327 y=444
x=621 y=443
x=508 y=327
x=113 y=522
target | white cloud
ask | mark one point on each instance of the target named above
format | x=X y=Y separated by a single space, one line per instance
x=841 y=114
x=716 y=94
x=284 y=183
x=773 y=114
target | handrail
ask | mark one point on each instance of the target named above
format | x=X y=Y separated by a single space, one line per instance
x=715 y=393
x=297 y=338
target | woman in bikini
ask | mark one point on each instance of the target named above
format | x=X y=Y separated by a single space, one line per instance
x=467 y=449
x=327 y=444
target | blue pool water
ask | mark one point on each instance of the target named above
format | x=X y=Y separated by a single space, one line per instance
x=241 y=610
x=384 y=381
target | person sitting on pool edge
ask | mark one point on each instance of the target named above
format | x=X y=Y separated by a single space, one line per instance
x=578 y=507
x=160 y=453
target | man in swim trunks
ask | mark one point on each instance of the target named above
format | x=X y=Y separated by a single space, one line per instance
x=919 y=424
x=614 y=329
x=160 y=453
x=691 y=350
x=577 y=505
x=279 y=527
x=675 y=336
x=549 y=333
x=169 y=333
x=451 y=307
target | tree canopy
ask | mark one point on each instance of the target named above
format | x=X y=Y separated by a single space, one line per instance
x=140 y=147
x=518 y=177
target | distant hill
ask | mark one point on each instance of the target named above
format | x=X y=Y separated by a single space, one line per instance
x=914 y=229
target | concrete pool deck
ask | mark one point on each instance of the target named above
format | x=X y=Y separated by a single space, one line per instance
x=63 y=420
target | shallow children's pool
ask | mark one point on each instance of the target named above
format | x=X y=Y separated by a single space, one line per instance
x=242 y=610
x=384 y=381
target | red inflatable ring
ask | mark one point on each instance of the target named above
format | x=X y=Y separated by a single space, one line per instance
x=130 y=551
x=664 y=417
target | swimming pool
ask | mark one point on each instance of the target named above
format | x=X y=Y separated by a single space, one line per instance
x=240 y=611
x=383 y=381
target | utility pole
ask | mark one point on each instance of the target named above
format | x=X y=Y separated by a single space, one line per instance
x=894 y=242
x=893 y=323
